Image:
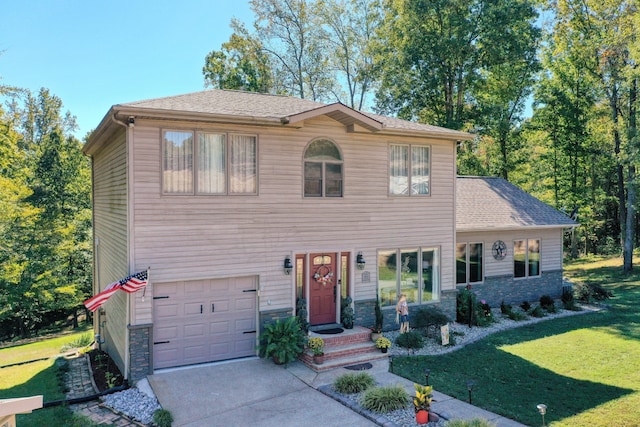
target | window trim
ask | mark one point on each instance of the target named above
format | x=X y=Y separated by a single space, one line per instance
x=323 y=163
x=526 y=258
x=410 y=146
x=467 y=263
x=195 y=191
x=437 y=286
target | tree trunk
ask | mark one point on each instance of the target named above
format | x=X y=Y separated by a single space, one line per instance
x=631 y=189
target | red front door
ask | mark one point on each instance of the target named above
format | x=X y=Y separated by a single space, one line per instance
x=322 y=288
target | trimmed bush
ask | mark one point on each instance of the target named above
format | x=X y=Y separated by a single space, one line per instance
x=385 y=399
x=505 y=308
x=537 y=311
x=546 y=301
x=162 y=418
x=525 y=306
x=411 y=339
x=353 y=383
x=425 y=317
x=517 y=316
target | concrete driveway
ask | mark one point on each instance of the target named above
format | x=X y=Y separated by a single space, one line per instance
x=249 y=392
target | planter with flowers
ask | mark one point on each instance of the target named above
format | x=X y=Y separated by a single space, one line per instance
x=316 y=345
x=422 y=402
x=383 y=344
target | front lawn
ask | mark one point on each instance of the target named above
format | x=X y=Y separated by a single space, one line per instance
x=37 y=378
x=585 y=368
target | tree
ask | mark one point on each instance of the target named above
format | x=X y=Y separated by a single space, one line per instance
x=437 y=56
x=241 y=64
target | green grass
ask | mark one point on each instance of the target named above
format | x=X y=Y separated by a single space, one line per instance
x=585 y=368
x=37 y=378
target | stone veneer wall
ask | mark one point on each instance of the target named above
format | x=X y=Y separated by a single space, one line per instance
x=140 y=351
x=494 y=290
x=268 y=317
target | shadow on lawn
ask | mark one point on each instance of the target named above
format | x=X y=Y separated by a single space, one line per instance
x=512 y=386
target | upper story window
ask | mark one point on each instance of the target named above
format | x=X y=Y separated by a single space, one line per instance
x=526 y=258
x=409 y=170
x=209 y=163
x=469 y=263
x=323 y=169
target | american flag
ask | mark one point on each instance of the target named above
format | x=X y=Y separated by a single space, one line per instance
x=129 y=284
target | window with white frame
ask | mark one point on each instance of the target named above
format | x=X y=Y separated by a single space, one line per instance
x=209 y=163
x=526 y=258
x=322 y=169
x=409 y=170
x=414 y=272
x=469 y=263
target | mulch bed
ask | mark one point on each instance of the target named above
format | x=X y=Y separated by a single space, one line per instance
x=106 y=373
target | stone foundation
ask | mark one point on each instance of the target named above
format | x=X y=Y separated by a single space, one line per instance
x=140 y=351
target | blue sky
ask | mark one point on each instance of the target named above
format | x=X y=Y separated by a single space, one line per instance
x=97 y=53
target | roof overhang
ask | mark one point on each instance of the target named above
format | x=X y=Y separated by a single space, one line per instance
x=513 y=228
x=338 y=112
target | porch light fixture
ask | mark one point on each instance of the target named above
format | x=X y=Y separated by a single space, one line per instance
x=360 y=262
x=542 y=408
x=470 y=385
x=287 y=265
x=426 y=374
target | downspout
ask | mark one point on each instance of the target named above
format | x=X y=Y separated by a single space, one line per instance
x=129 y=130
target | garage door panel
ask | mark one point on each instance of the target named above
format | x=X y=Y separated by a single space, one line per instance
x=204 y=321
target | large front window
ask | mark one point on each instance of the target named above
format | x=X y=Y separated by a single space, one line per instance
x=209 y=163
x=322 y=169
x=526 y=258
x=408 y=170
x=414 y=272
x=469 y=263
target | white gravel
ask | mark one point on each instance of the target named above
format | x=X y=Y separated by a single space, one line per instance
x=133 y=403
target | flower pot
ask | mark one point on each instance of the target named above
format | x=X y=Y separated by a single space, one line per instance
x=384 y=350
x=318 y=359
x=375 y=336
x=422 y=416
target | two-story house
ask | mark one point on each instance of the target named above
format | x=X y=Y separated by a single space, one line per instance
x=241 y=204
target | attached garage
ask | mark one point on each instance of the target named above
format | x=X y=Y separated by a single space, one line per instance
x=204 y=321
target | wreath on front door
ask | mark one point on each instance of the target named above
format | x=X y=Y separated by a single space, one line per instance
x=323 y=275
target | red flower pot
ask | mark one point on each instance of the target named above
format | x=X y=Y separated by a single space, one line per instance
x=422 y=416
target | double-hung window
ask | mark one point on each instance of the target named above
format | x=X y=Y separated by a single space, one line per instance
x=409 y=167
x=469 y=261
x=209 y=163
x=322 y=169
x=526 y=258
x=414 y=272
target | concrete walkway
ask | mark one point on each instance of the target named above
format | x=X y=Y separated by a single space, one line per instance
x=258 y=393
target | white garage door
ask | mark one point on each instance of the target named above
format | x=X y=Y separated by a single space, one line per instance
x=204 y=321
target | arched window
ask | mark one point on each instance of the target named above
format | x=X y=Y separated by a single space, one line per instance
x=322 y=169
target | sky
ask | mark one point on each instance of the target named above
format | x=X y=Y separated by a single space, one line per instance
x=93 y=54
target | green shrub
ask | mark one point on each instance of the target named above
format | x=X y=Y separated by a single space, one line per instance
x=568 y=302
x=505 y=308
x=284 y=341
x=525 y=306
x=537 y=311
x=411 y=339
x=346 y=312
x=517 y=316
x=162 y=418
x=83 y=340
x=546 y=301
x=476 y=422
x=385 y=399
x=470 y=311
x=425 y=317
x=301 y=314
x=585 y=292
x=353 y=383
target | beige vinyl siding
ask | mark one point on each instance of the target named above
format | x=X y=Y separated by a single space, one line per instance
x=110 y=234
x=550 y=248
x=198 y=237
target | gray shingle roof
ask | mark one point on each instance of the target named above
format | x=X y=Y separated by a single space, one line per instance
x=490 y=203
x=264 y=106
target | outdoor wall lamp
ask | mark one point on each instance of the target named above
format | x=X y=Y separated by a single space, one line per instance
x=426 y=374
x=542 y=408
x=287 y=265
x=360 y=262
x=470 y=385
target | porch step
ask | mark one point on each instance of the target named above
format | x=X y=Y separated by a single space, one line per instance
x=350 y=347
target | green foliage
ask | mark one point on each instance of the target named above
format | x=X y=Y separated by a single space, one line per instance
x=385 y=399
x=568 y=302
x=162 y=418
x=410 y=340
x=546 y=302
x=525 y=306
x=83 y=340
x=517 y=316
x=316 y=344
x=470 y=311
x=426 y=317
x=586 y=292
x=505 y=308
x=537 y=311
x=423 y=397
x=282 y=340
x=379 y=317
x=301 y=314
x=353 y=383
x=346 y=313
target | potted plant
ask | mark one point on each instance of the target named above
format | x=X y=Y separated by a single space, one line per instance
x=283 y=341
x=422 y=402
x=316 y=344
x=377 y=328
x=383 y=344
